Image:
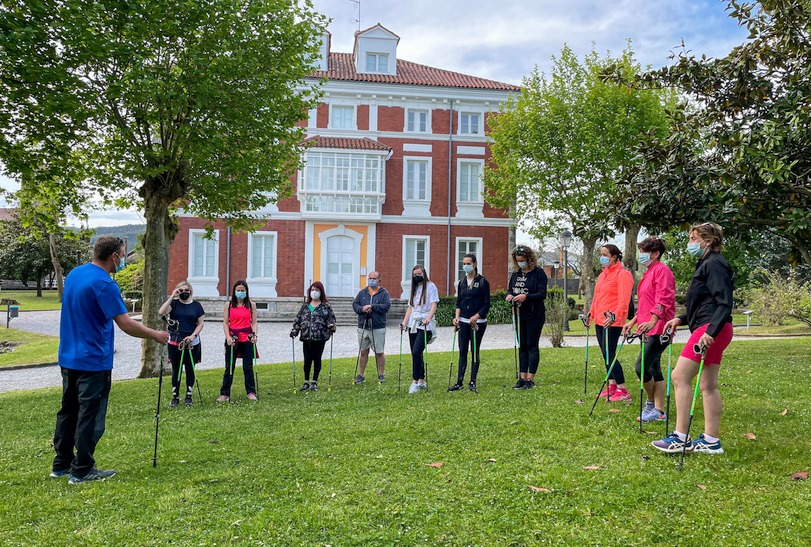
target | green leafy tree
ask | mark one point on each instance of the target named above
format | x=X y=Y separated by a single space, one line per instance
x=154 y=103
x=740 y=153
x=561 y=146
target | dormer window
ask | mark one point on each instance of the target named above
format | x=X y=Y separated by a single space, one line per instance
x=377 y=62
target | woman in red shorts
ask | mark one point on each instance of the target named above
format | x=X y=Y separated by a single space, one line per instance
x=709 y=317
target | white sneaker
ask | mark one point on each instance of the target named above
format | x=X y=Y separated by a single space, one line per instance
x=414 y=388
x=423 y=385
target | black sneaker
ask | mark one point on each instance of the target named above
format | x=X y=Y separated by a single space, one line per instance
x=471 y=386
x=457 y=387
x=528 y=384
x=174 y=403
x=188 y=400
x=305 y=387
x=313 y=386
x=92 y=475
x=519 y=384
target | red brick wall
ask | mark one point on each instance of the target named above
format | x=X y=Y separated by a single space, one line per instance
x=390 y=118
x=363 y=117
x=322 y=116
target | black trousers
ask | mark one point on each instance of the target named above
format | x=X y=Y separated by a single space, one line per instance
x=613 y=337
x=529 y=354
x=80 y=422
x=653 y=360
x=188 y=358
x=466 y=337
x=232 y=353
x=417 y=341
x=313 y=350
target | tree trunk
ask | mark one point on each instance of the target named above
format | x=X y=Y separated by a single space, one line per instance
x=58 y=271
x=629 y=255
x=587 y=279
x=158 y=237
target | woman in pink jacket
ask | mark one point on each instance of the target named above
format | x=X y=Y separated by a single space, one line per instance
x=609 y=311
x=657 y=306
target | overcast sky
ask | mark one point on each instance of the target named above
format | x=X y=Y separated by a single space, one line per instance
x=505 y=40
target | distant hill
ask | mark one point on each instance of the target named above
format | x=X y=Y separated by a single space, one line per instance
x=128 y=232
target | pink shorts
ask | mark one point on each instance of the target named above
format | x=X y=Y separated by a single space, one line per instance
x=714 y=353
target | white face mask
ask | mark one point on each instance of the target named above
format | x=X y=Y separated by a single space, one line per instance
x=522 y=265
x=468 y=268
x=315 y=295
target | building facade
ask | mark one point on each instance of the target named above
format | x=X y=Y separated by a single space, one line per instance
x=392 y=178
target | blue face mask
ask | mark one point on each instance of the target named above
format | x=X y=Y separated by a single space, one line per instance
x=240 y=294
x=604 y=260
x=468 y=268
x=373 y=283
x=122 y=263
x=644 y=258
x=695 y=249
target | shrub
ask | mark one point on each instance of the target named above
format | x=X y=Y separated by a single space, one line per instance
x=557 y=313
x=500 y=309
x=778 y=296
x=131 y=282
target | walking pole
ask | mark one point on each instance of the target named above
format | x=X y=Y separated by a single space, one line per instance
x=698 y=349
x=158 y=411
x=293 y=340
x=400 y=367
x=665 y=339
x=584 y=319
x=516 y=343
x=234 y=339
x=357 y=361
x=517 y=334
x=194 y=369
x=425 y=356
x=475 y=357
x=255 y=373
x=608 y=373
x=642 y=339
x=329 y=385
x=450 y=365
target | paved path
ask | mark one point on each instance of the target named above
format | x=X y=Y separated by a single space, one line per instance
x=274 y=347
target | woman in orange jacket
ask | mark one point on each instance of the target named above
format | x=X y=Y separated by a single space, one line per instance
x=609 y=311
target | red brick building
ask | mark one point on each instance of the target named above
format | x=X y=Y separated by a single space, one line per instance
x=393 y=178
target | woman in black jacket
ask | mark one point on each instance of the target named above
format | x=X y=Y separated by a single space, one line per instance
x=527 y=292
x=316 y=323
x=709 y=316
x=472 y=305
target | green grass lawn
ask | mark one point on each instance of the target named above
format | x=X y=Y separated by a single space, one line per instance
x=29 y=301
x=28 y=348
x=349 y=467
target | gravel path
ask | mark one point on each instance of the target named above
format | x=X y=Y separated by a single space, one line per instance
x=274 y=347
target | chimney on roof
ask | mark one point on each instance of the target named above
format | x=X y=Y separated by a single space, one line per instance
x=323 y=51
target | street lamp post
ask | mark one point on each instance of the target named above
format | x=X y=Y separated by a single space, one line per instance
x=565 y=241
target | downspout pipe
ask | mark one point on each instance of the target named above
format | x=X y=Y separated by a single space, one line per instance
x=450 y=186
x=228 y=261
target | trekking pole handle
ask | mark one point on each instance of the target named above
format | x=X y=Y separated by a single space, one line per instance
x=699 y=348
x=664 y=338
x=584 y=319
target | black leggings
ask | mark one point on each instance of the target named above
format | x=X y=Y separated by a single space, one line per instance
x=313 y=350
x=613 y=337
x=529 y=355
x=417 y=340
x=466 y=340
x=232 y=353
x=653 y=360
x=175 y=356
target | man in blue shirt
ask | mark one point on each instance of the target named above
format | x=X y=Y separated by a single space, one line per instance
x=372 y=305
x=90 y=304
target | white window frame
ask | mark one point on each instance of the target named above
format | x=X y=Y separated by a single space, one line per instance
x=405 y=282
x=204 y=285
x=353 y=124
x=459 y=164
x=377 y=56
x=264 y=286
x=469 y=209
x=426 y=111
x=417 y=207
x=457 y=261
x=480 y=128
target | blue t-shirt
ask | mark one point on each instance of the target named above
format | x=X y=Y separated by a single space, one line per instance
x=86 y=332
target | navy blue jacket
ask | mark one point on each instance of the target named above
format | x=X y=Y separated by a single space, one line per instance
x=475 y=299
x=381 y=303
